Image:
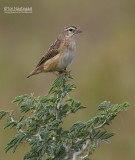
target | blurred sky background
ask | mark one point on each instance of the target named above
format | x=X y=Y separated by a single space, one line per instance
x=103 y=69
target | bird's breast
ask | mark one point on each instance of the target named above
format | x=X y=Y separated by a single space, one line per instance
x=67 y=58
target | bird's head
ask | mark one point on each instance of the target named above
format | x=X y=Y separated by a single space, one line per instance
x=71 y=31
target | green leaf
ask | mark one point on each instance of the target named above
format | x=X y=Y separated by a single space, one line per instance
x=15 y=141
x=104 y=105
x=2 y=114
x=107 y=135
x=20 y=99
x=101 y=134
x=107 y=141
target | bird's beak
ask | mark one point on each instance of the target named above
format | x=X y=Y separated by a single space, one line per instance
x=78 y=31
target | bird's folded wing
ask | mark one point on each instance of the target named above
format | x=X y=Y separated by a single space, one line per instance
x=52 y=52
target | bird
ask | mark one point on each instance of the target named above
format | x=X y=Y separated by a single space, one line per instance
x=61 y=53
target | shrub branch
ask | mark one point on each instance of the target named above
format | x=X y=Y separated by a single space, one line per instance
x=43 y=129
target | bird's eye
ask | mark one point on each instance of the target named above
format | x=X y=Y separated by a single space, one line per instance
x=70 y=30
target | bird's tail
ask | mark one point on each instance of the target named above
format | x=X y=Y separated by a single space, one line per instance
x=35 y=71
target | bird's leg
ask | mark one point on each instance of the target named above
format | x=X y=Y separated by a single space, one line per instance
x=61 y=73
x=56 y=73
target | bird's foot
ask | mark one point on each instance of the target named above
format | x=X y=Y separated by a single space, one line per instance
x=64 y=74
x=56 y=73
x=61 y=73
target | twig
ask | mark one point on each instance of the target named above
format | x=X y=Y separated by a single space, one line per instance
x=67 y=148
x=100 y=126
x=38 y=135
x=43 y=158
x=81 y=151
x=84 y=156
x=58 y=106
x=12 y=119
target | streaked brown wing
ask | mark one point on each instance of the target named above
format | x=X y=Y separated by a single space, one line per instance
x=52 y=52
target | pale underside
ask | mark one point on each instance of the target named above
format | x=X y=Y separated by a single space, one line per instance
x=59 y=62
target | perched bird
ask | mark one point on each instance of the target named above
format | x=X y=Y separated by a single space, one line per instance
x=60 y=54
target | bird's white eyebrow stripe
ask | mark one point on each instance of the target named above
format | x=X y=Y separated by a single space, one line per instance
x=70 y=28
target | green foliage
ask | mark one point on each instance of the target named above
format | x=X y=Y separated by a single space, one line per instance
x=42 y=128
